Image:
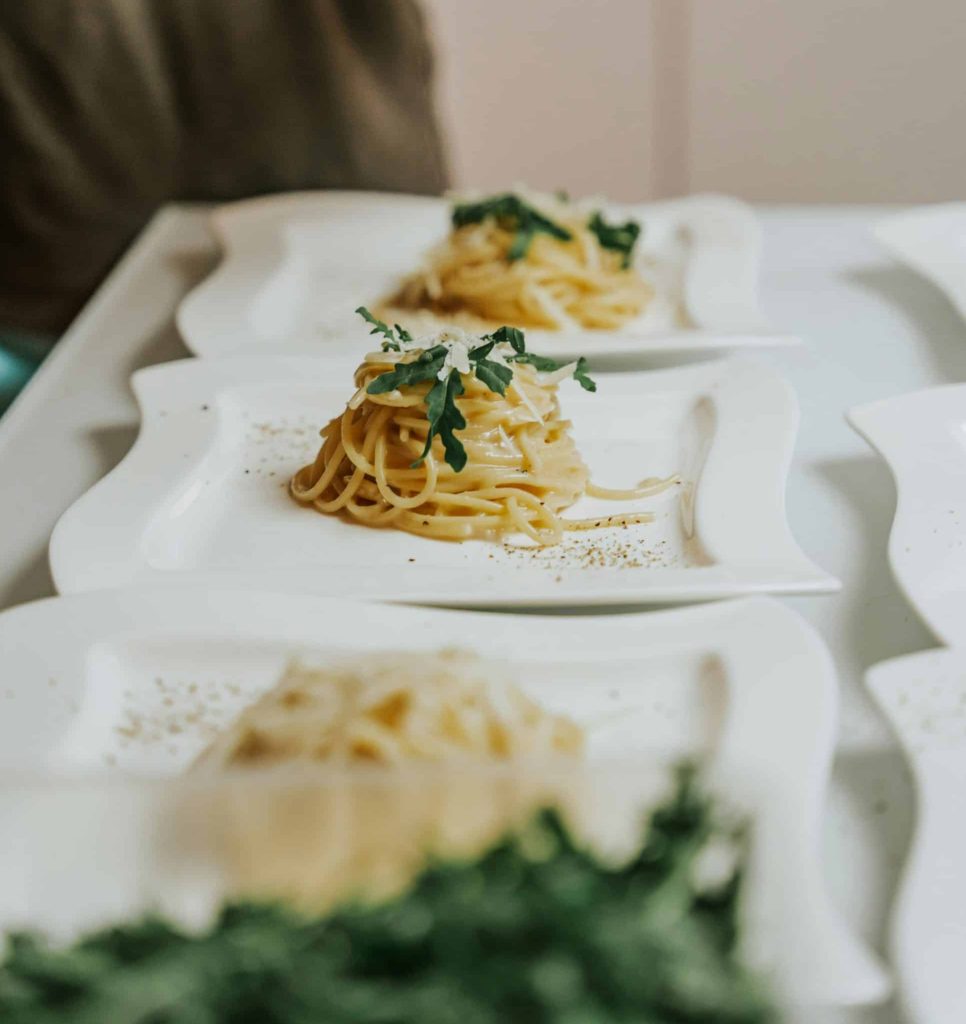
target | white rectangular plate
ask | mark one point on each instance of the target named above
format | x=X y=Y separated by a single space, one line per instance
x=922 y=436
x=137 y=681
x=296 y=266
x=203 y=496
x=924 y=697
x=931 y=240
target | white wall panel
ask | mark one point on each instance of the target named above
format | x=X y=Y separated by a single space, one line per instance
x=829 y=100
x=812 y=100
x=557 y=93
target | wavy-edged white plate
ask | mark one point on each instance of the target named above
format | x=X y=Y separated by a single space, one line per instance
x=931 y=240
x=297 y=265
x=924 y=697
x=202 y=496
x=922 y=437
x=137 y=681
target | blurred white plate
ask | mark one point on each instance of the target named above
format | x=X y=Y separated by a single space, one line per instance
x=137 y=681
x=202 y=497
x=931 y=240
x=924 y=697
x=922 y=436
x=296 y=266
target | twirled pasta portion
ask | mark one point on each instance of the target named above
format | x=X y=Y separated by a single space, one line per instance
x=522 y=468
x=474 y=278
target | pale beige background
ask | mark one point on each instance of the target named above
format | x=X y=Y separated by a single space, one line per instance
x=823 y=100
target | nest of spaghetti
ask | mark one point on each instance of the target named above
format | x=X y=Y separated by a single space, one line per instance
x=531 y=260
x=458 y=437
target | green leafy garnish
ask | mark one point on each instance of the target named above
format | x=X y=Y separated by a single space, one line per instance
x=535 y=930
x=514 y=214
x=582 y=377
x=444 y=417
x=511 y=336
x=381 y=327
x=426 y=366
x=525 y=221
x=620 y=237
x=546 y=365
x=494 y=375
x=441 y=410
x=393 y=337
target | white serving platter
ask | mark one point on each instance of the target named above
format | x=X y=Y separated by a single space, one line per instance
x=137 y=682
x=931 y=240
x=296 y=266
x=202 y=497
x=922 y=437
x=924 y=697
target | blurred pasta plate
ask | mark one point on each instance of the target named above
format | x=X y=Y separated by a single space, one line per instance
x=138 y=682
x=296 y=265
x=203 y=496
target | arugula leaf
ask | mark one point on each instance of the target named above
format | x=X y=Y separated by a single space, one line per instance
x=441 y=411
x=379 y=327
x=426 y=367
x=444 y=417
x=520 y=245
x=619 y=237
x=494 y=375
x=435 y=400
x=544 y=364
x=482 y=351
x=451 y=419
x=580 y=376
x=511 y=212
x=404 y=335
x=513 y=336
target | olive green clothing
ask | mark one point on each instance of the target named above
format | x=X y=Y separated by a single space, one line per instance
x=110 y=108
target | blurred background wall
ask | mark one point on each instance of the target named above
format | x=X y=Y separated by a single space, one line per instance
x=811 y=100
